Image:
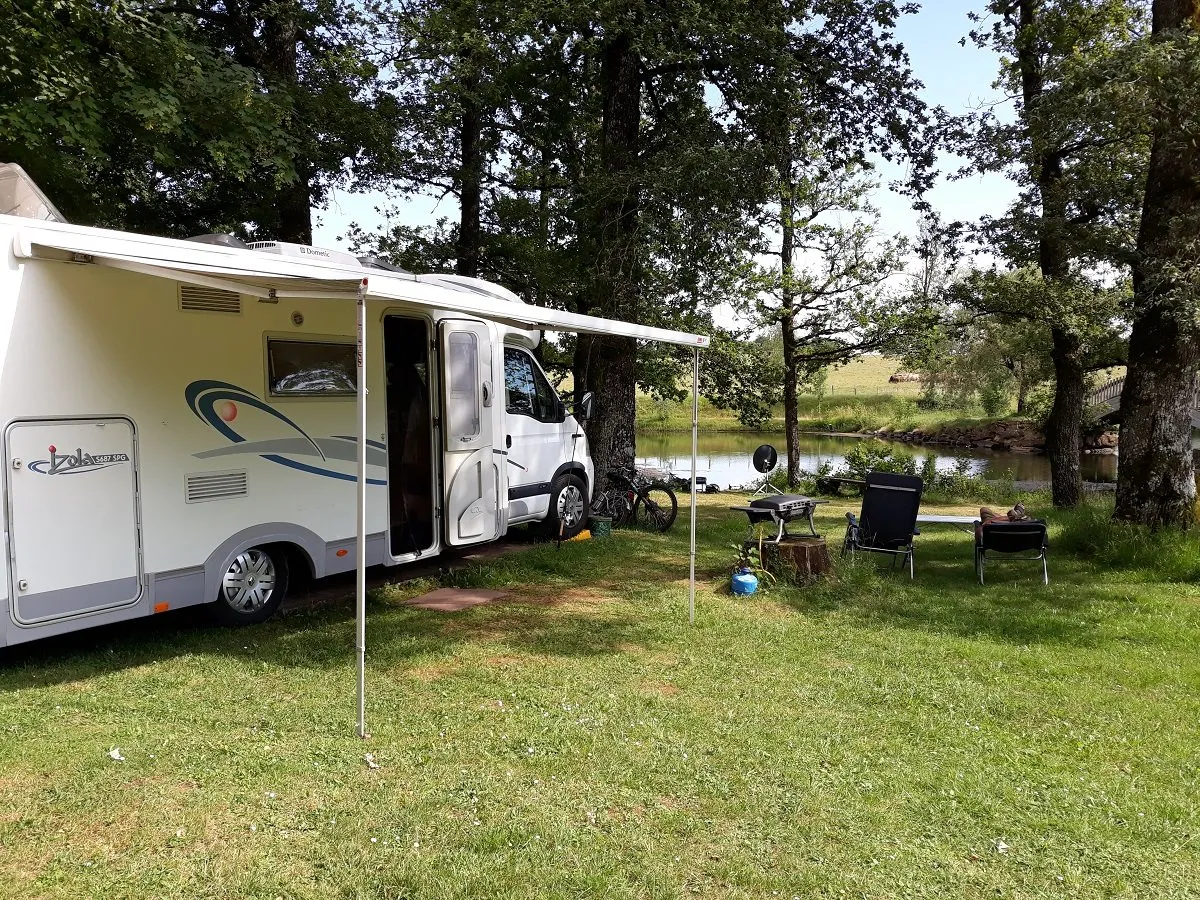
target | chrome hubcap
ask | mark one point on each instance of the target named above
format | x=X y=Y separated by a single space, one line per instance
x=570 y=506
x=250 y=581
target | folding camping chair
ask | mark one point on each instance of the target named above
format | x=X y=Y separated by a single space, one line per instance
x=1012 y=538
x=888 y=521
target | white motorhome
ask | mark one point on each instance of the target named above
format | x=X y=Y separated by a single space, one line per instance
x=179 y=420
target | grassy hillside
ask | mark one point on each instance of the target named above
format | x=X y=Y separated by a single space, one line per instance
x=869 y=375
x=858 y=397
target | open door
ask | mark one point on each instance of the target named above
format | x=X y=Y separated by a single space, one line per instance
x=472 y=476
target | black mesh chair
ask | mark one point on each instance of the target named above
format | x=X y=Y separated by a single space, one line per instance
x=1012 y=538
x=888 y=521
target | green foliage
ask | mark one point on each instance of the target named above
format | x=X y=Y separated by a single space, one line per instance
x=1078 y=133
x=750 y=559
x=120 y=113
x=742 y=376
x=179 y=119
x=876 y=456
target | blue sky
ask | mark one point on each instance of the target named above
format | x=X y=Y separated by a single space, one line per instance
x=955 y=77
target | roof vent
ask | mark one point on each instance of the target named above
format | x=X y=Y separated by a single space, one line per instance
x=305 y=252
x=204 y=486
x=19 y=196
x=374 y=262
x=221 y=240
x=197 y=298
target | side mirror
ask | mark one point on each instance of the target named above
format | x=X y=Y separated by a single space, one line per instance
x=585 y=407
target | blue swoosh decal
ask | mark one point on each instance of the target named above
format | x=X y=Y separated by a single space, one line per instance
x=203 y=396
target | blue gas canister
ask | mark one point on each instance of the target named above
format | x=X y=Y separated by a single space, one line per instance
x=744 y=582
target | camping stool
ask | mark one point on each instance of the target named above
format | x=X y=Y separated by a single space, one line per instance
x=1008 y=538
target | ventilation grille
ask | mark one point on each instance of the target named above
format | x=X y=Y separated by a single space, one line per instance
x=216 y=486
x=205 y=299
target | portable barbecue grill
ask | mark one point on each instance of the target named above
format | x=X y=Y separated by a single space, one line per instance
x=779 y=509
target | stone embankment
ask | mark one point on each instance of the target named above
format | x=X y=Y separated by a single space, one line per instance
x=1015 y=436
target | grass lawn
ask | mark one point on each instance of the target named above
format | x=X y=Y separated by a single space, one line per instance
x=871 y=737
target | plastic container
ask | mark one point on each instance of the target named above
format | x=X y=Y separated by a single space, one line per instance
x=744 y=582
x=601 y=526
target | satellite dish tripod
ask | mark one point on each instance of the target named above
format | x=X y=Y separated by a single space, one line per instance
x=765 y=459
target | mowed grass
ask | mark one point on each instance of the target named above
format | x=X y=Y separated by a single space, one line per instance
x=867 y=737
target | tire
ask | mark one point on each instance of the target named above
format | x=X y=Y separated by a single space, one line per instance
x=656 y=508
x=253 y=587
x=568 y=507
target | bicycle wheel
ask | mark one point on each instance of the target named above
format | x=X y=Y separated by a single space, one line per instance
x=656 y=507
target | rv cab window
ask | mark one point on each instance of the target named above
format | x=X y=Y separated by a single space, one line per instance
x=527 y=392
x=311 y=369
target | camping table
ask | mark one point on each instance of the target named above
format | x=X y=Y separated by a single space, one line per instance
x=956 y=521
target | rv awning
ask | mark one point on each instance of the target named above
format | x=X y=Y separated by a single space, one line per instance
x=264 y=275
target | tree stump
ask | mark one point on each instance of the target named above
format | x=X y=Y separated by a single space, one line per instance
x=798 y=558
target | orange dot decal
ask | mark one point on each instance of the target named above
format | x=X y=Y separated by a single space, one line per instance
x=227 y=410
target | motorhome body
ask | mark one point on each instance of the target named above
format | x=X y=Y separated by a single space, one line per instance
x=169 y=441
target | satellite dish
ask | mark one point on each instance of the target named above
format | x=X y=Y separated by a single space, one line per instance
x=765 y=458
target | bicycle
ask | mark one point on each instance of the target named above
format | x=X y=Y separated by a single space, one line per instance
x=653 y=504
x=615 y=505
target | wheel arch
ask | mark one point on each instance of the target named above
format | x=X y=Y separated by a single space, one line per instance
x=302 y=548
x=575 y=468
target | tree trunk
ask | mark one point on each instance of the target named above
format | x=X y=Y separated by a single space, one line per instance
x=791 y=373
x=470 y=177
x=1022 y=394
x=293 y=203
x=1156 y=483
x=609 y=365
x=280 y=62
x=1064 y=427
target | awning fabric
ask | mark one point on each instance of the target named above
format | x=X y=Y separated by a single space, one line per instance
x=264 y=274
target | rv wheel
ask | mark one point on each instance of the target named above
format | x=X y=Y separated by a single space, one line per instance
x=568 y=507
x=252 y=587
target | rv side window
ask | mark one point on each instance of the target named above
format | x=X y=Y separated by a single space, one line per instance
x=527 y=392
x=311 y=369
x=463 y=385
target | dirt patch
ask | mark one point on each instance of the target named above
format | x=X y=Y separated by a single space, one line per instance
x=659 y=688
x=567 y=597
x=454 y=599
x=433 y=672
x=504 y=662
x=837 y=665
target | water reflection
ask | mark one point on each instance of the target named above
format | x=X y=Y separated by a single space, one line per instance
x=724 y=457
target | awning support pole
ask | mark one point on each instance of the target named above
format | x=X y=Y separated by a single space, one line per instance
x=360 y=543
x=695 y=441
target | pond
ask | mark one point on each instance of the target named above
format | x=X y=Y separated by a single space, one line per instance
x=724 y=457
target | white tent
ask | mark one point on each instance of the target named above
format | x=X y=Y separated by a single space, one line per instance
x=264 y=275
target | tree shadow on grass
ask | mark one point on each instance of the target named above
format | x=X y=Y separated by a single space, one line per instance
x=321 y=636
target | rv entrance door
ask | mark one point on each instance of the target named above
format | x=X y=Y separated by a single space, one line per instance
x=472 y=476
x=73 y=521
